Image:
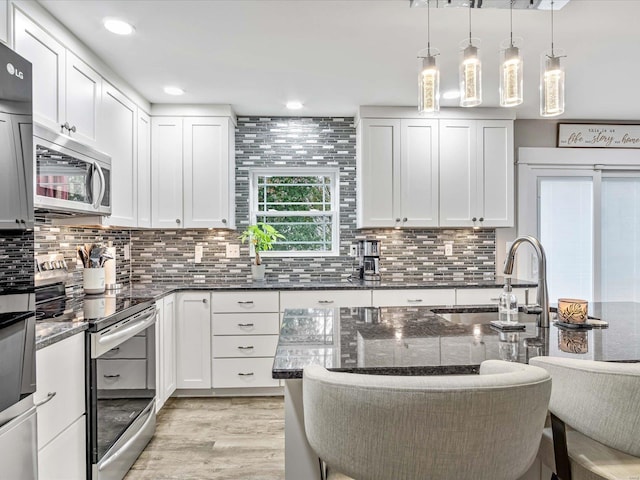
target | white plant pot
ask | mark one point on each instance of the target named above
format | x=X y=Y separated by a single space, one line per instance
x=93 y=280
x=257 y=271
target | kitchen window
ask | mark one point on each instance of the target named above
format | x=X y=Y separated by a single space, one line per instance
x=302 y=204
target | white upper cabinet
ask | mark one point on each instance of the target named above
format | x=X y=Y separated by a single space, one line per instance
x=4 y=9
x=193 y=172
x=476 y=173
x=117 y=137
x=66 y=91
x=398 y=173
x=166 y=172
x=144 y=169
x=207 y=172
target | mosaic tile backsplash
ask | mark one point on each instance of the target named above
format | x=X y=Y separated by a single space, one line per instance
x=16 y=264
x=167 y=256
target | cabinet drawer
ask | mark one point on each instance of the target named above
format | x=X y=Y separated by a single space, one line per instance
x=414 y=297
x=325 y=299
x=489 y=296
x=246 y=324
x=135 y=347
x=116 y=374
x=243 y=372
x=65 y=456
x=232 y=302
x=60 y=376
x=245 y=346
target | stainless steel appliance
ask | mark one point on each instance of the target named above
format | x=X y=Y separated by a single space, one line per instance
x=369 y=260
x=70 y=177
x=18 y=447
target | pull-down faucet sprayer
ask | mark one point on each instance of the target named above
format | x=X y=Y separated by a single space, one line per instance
x=542 y=308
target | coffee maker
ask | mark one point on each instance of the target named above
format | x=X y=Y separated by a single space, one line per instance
x=369 y=260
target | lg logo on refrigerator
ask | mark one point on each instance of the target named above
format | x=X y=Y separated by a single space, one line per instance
x=14 y=71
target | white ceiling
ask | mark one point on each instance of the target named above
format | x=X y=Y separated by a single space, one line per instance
x=334 y=55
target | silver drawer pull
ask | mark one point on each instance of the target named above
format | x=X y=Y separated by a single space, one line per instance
x=250 y=374
x=248 y=347
x=245 y=324
x=325 y=302
x=50 y=396
x=115 y=349
x=495 y=299
x=117 y=375
x=245 y=302
x=414 y=300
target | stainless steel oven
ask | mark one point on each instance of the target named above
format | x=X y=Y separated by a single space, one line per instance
x=70 y=177
x=122 y=389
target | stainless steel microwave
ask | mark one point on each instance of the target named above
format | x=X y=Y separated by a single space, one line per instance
x=70 y=177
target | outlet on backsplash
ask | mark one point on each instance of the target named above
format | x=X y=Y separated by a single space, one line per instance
x=448 y=249
x=232 y=250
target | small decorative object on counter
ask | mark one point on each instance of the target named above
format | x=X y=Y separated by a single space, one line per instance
x=572 y=310
x=93 y=257
x=262 y=236
x=508 y=303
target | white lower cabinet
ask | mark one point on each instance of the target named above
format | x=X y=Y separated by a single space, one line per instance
x=325 y=299
x=245 y=337
x=193 y=340
x=60 y=397
x=413 y=297
x=165 y=349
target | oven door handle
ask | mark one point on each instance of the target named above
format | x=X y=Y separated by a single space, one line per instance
x=125 y=447
x=103 y=186
x=104 y=343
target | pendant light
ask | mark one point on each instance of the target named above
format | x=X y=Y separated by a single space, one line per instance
x=552 y=81
x=511 y=70
x=470 y=73
x=429 y=76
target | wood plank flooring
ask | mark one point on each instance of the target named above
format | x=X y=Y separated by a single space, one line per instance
x=236 y=438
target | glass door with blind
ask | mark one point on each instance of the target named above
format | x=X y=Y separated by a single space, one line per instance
x=588 y=221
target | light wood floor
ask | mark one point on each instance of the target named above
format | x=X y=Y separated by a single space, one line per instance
x=215 y=438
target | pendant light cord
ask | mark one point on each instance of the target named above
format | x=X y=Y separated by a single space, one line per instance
x=429 y=27
x=511 y=21
x=470 y=3
x=552 y=28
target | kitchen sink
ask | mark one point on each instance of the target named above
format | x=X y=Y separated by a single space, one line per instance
x=475 y=315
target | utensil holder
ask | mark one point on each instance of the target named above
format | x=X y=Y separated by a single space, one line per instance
x=93 y=280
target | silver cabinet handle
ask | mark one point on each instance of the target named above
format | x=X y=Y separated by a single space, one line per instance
x=245 y=324
x=224 y=220
x=474 y=219
x=65 y=126
x=494 y=299
x=178 y=221
x=481 y=219
x=414 y=300
x=246 y=374
x=404 y=219
x=245 y=302
x=50 y=396
x=117 y=375
x=248 y=347
x=398 y=219
x=204 y=300
x=325 y=302
x=72 y=129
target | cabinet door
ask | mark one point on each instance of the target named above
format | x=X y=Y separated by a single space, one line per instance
x=418 y=187
x=169 y=347
x=206 y=173
x=4 y=9
x=193 y=335
x=12 y=181
x=159 y=354
x=117 y=138
x=496 y=173
x=48 y=59
x=414 y=297
x=378 y=171
x=166 y=172
x=65 y=457
x=144 y=169
x=83 y=92
x=458 y=185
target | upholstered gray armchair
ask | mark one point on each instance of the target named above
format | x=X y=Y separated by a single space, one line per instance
x=475 y=427
x=599 y=403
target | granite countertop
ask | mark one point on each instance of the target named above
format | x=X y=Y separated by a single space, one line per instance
x=50 y=332
x=433 y=340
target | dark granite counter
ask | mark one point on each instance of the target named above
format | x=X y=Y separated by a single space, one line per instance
x=48 y=333
x=432 y=340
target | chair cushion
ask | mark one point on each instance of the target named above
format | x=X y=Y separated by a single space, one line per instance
x=590 y=460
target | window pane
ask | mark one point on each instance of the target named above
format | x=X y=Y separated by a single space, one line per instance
x=292 y=193
x=620 y=239
x=566 y=226
x=302 y=233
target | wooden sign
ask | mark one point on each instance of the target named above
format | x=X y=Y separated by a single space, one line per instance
x=586 y=135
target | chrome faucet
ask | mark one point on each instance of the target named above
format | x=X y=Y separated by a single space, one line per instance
x=542 y=308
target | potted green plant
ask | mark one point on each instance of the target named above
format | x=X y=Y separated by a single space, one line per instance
x=261 y=236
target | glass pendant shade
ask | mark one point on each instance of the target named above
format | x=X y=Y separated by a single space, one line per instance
x=470 y=77
x=429 y=86
x=511 y=74
x=551 y=86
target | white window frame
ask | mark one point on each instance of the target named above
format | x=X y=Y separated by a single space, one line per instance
x=334 y=173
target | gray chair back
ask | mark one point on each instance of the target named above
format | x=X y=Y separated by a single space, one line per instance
x=599 y=399
x=476 y=427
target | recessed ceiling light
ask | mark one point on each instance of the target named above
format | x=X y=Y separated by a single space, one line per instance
x=294 y=105
x=173 y=91
x=118 y=27
x=451 y=94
